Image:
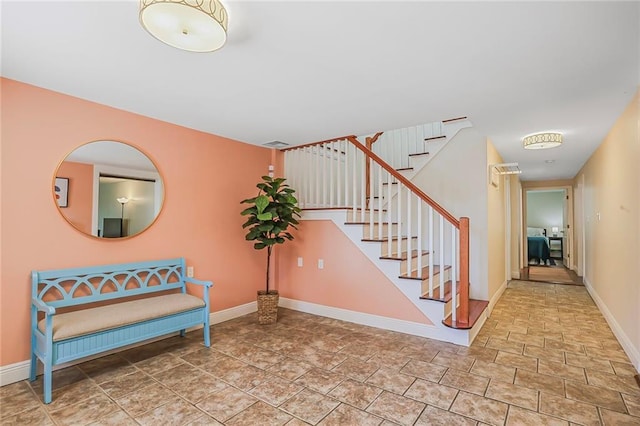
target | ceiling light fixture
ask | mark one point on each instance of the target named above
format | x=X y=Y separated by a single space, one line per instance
x=542 y=141
x=193 y=25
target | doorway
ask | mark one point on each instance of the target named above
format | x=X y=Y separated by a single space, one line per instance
x=547 y=218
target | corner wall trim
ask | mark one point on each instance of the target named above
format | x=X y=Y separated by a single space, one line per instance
x=20 y=370
x=632 y=352
x=496 y=297
x=386 y=323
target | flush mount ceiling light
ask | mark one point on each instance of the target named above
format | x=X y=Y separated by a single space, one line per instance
x=542 y=141
x=193 y=25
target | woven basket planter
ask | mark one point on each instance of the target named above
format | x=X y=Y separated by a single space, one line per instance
x=268 y=307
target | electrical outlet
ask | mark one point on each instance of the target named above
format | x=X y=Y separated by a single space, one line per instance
x=320 y=263
x=300 y=263
x=190 y=271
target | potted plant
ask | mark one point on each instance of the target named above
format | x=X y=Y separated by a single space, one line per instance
x=269 y=217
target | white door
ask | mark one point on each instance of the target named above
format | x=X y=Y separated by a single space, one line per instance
x=567 y=230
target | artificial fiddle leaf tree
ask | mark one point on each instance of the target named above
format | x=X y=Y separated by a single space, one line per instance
x=270 y=215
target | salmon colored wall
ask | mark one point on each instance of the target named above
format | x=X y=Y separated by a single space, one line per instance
x=200 y=219
x=348 y=281
x=80 y=196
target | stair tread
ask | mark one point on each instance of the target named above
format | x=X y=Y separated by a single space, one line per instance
x=436 y=293
x=418 y=154
x=434 y=138
x=424 y=274
x=404 y=168
x=383 y=239
x=403 y=255
x=375 y=222
x=454 y=119
x=476 y=308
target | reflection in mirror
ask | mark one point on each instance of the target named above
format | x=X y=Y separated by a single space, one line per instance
x=113 y=190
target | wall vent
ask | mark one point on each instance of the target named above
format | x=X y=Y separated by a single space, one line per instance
x=276 y=144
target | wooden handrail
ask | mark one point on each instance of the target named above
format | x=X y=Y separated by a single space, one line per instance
x=406 y=182
x=317 y=143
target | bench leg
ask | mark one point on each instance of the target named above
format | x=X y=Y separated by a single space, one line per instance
x=207 y=339
x=47 y=381
x=183 y=332
x=33 y=367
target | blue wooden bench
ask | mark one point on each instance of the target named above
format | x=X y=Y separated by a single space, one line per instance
x=59 y=337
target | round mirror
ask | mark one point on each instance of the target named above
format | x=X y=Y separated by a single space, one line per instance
x=108 y=189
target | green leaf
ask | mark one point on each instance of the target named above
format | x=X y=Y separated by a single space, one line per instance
x=266 y=227
x=265 y=216
x=250 y=210
x=261 y=203
x=248 y=200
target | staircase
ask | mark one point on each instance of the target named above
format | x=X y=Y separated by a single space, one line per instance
x=409 y=149
x=414 y=241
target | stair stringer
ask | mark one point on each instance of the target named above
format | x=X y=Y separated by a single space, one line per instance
x=450 y=131
x=419 y=162
x=433 y=310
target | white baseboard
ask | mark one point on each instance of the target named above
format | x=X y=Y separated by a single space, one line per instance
x=460 y=337
x=20 y=370
x=231 y=313
x=515 y=275
x=496 y=297
x=632 y=352
x=14 y=372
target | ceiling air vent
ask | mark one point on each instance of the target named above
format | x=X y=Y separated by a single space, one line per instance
x=275 y=144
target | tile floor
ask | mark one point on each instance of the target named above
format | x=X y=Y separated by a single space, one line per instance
x=545 y=357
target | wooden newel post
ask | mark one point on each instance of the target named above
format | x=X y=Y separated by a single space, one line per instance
x=463 y=311
x=369 y=144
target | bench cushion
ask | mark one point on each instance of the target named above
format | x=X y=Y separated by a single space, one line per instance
x=79 y=323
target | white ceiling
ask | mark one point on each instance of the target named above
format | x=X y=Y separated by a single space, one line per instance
x=306 y=71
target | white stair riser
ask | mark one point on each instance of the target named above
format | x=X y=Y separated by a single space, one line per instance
x=357 y=217
x=436 y=281
x=394 y=245
x=376 y=226
x=414 y=263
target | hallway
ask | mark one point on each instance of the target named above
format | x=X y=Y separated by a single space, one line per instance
x=555 y=274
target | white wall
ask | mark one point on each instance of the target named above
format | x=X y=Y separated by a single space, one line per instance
x=611 y=223
x=496 y=226
x=457 y=179
x=544 y=209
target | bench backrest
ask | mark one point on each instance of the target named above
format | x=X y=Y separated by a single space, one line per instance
x=76 y=286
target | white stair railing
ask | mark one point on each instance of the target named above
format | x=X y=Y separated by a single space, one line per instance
x=344 y=173
x=395 y=146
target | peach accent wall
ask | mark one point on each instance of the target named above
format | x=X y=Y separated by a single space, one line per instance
x=348 y=281
x=80 y=195
x=200 y=219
